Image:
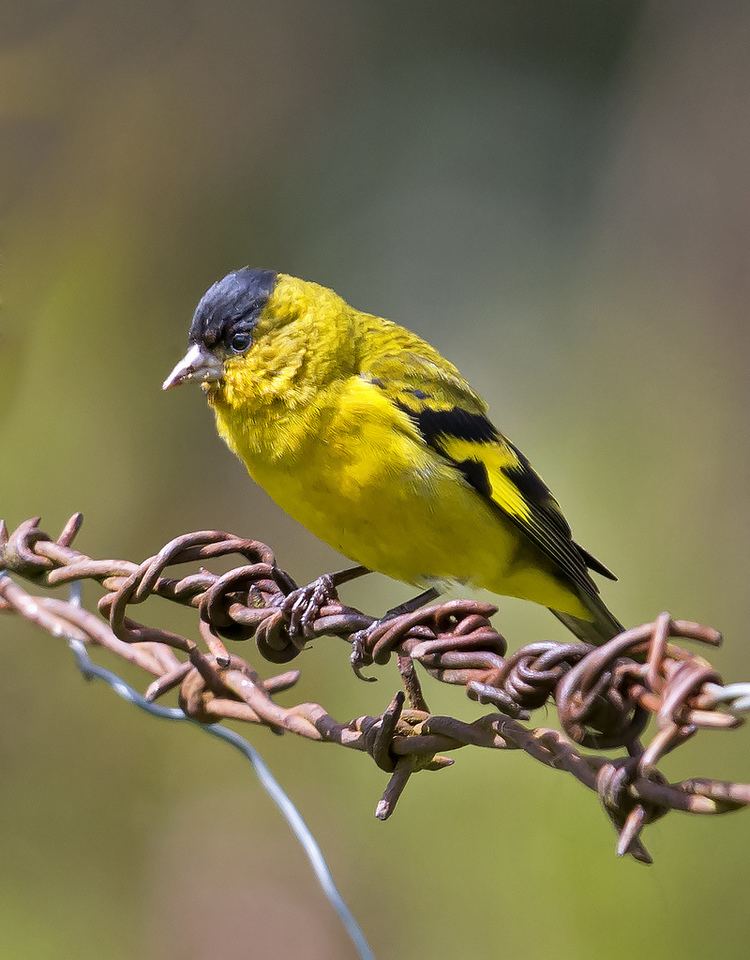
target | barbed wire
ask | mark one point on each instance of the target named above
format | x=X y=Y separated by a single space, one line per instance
x=93 y=671
x=604 y=696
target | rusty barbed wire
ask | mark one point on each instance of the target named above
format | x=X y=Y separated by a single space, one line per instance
x=282 y=801
x=605 y=696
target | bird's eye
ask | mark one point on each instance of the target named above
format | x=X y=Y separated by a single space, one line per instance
x=240 y=342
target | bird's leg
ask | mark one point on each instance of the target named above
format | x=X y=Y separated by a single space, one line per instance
x=409 y=676
x=409 y=606
x=302 y=606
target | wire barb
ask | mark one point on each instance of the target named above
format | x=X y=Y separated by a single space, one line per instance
x=605 y=696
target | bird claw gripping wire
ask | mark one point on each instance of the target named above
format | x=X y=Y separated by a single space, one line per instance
x=360 y=656
x=304 y=605
x=604 y=696
x=453 y=640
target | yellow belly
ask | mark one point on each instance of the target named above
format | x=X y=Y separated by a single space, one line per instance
x=387 y=501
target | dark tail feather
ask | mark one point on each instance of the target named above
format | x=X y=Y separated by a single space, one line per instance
x=602 y=628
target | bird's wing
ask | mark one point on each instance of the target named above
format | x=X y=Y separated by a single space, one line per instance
x=450 y=418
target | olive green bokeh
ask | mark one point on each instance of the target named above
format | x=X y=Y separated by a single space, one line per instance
x=555 y=195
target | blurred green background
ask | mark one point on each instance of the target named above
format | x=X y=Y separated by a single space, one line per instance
x=556 y=196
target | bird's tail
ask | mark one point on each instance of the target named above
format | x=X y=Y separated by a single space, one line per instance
x=601 y=628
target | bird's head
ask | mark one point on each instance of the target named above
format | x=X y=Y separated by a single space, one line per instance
x=259 y=325
x=224 y=326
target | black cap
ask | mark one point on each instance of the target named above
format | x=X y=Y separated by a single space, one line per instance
x=232 y=303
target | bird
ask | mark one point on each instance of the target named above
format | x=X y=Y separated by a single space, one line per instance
x=365 y=434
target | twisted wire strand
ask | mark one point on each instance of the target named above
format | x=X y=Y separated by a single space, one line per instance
x=270 y=784
x=605 y=696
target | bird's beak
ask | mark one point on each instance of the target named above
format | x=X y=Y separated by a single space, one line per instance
x=198 y=365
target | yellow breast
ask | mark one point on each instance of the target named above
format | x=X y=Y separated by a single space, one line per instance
x=350 y=468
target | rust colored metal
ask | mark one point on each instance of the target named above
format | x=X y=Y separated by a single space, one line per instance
x=605 y=696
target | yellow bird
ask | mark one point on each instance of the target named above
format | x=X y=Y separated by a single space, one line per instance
x=371 y=439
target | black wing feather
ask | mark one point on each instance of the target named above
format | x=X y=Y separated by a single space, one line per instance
x=547 y=526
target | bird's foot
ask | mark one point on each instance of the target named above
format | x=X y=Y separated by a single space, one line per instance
x=362 y=643
x=360 y=656
x=302 y=607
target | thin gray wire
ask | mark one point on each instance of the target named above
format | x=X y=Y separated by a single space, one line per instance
x=270 y=784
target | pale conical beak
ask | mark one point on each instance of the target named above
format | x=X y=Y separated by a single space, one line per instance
x=198 y=365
